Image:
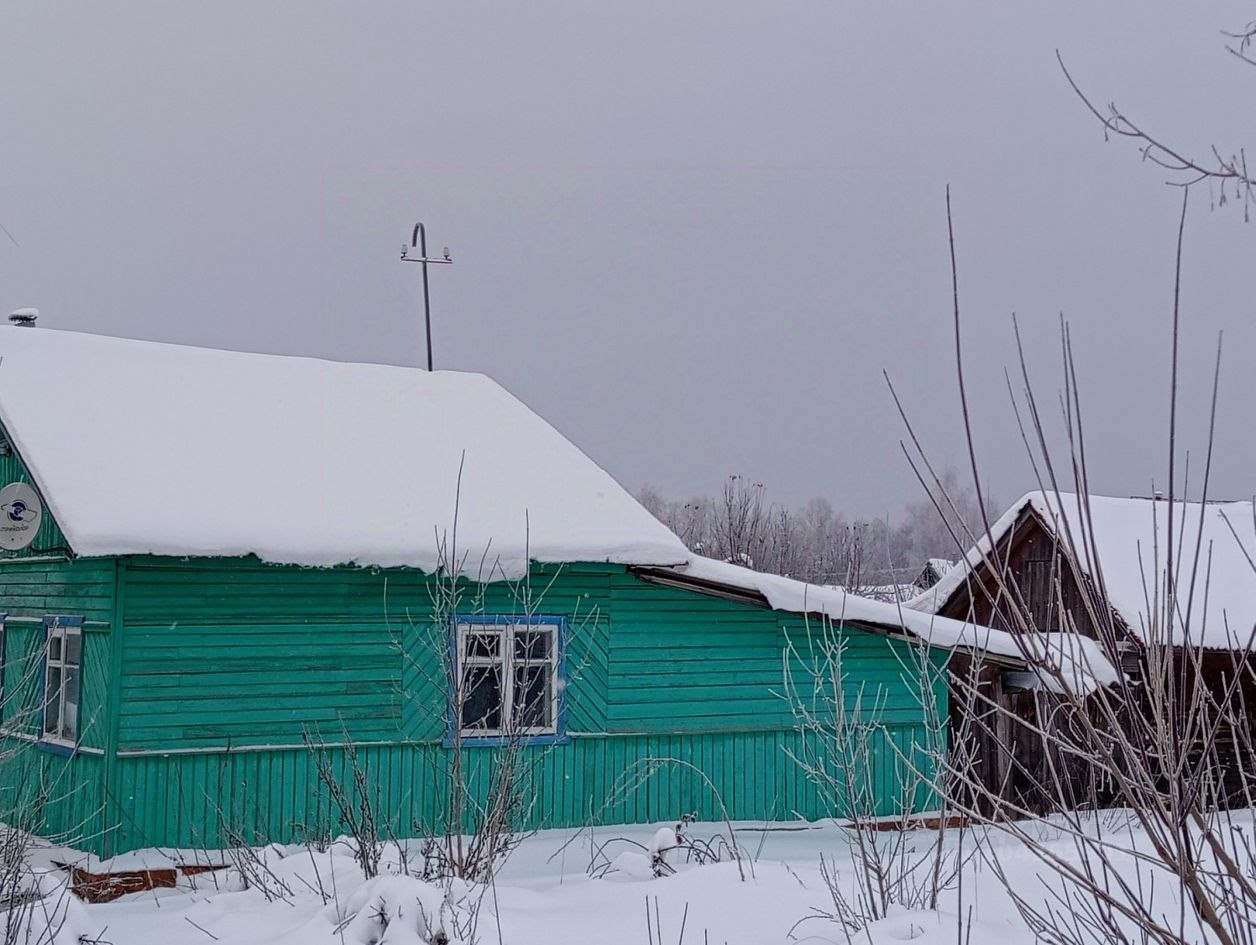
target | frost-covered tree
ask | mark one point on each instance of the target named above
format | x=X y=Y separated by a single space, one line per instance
x=944 y=523
x=814 y=542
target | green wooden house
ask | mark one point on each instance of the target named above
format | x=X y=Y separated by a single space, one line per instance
x=218 y=568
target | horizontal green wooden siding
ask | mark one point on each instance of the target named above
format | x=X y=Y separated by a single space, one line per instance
x=225 y=666
x=238 y=653
x=242 y=653
x=682 y=661
x=188 y=800
x=35 y=588
x=229 y=665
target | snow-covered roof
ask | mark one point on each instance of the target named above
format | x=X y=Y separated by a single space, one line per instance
x=1080 y=660
x=147 y=448
x=141 y=447
x=1129 y=548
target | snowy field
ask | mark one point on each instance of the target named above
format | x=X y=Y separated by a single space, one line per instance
x=576 y=888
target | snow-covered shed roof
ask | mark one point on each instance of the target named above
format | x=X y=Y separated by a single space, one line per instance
x=1080 y=661
x=139 y=447
x=1130 y=541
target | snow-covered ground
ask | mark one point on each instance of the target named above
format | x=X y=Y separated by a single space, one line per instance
x=566 y=887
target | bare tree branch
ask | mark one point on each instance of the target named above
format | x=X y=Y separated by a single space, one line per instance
x=1231 y=174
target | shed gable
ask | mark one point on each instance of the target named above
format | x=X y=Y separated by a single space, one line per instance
x=1037 y=572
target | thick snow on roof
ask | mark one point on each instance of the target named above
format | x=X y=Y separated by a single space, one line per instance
x=141 y=447
x=1130 y=548
x=1080 y=660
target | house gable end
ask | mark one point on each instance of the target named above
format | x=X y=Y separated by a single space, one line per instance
x=50 y=539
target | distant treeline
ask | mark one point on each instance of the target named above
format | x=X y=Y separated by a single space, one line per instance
x=817 y=543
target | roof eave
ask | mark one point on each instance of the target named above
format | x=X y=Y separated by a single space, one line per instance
x=671 y=578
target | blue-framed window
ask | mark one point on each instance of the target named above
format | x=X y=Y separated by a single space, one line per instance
x=508 y=681
x=62 y=682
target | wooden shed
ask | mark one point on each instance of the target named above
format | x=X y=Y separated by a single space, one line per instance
x=1058 y=560
x=219 y=570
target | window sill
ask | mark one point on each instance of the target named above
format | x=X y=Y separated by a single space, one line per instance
x=65 y=749
x=502 y=741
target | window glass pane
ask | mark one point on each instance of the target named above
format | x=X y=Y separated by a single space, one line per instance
x=482 y=698
x=74 y=648
x=69 y=716
x=533 y=644
x=532 y=697
x=54 y=645
x=483 y=645
x=52 y=701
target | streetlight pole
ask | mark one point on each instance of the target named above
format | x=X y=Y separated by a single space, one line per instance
x=418 y=240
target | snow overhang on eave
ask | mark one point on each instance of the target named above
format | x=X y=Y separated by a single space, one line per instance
x=669 y=578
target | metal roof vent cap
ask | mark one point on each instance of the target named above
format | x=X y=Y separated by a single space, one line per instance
x=24 y=317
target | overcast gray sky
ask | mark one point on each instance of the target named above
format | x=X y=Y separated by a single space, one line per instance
x=689 y=235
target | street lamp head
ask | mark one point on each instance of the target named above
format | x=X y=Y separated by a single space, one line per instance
x=447 y=252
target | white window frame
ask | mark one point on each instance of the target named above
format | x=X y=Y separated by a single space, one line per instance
x=505 y=629
x=61 y=630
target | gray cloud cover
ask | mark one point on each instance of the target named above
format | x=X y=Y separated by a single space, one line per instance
x=691 y=236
